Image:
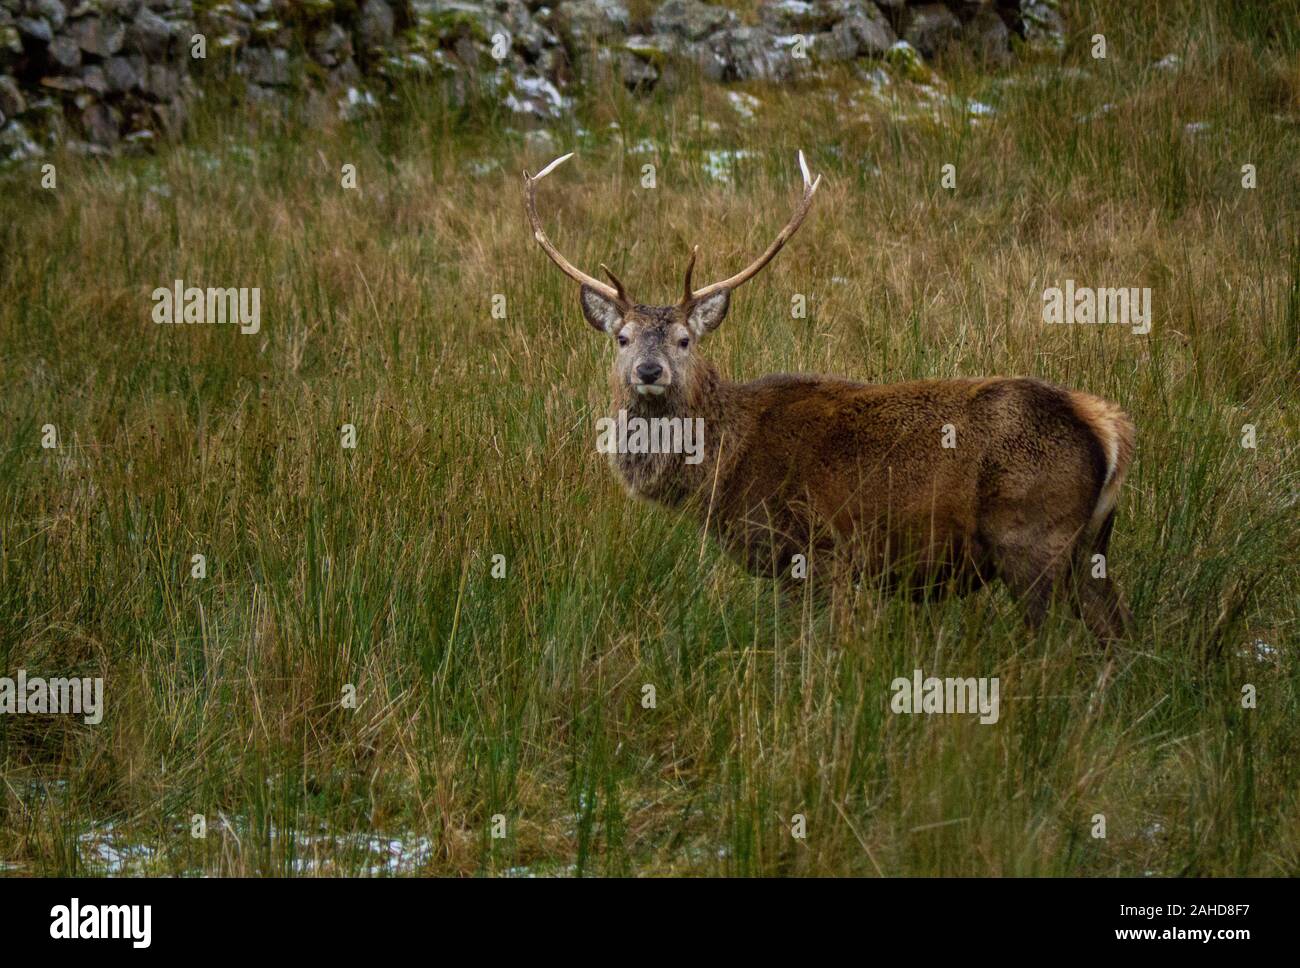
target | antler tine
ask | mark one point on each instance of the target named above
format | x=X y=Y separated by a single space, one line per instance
x=801 y=210
x=618 y=285
x=690 y=268
x=617 y=295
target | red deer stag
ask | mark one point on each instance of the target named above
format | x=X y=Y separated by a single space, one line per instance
x=856 y=476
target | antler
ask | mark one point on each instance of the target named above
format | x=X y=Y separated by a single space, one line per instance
x=809 y=187
x=690 y=268
x=615 y=293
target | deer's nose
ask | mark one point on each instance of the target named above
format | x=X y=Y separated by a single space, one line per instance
x=648 y=372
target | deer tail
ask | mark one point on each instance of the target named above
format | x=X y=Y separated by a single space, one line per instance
x=1115 y=432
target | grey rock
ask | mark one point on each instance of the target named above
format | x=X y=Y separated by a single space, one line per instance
x=931 y=26
x=219 y=23
x=43 y=108
x=236 y=37
x=527 y=35
x=839 y=44
x=139 y=140
x=862 y=36
x=751 y=54
x=844 y=9
x=531 y=95
x=584 y=23
x=988 y=37
x=799 y=16
x=266 y=96
x=357 y=103
x=95 y=79
x=36 y=28
x=690 y=19
x=149 y=34
x=65 y=53
x=345 y=74
x=11 y=44
x=266 y=66
x=98 y=36
x=456 y=18
x=161 y=82
x=84 y=149
x=16 y=144
x=11 y=134
x=12 y=102
x=101 y=125
x=549 y=62
x=662 y=50
x=171 y=115
x=375 y=26
x=467 y=52
x=655 y=45
x=658 y=50
x=636 y=73
x=120 y=75
x=52 y=12
x=331 y=44
x=1043 y=24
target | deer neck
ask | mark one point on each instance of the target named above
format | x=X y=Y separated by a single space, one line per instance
x=674 y=477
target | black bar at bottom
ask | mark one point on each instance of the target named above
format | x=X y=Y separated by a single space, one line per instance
x=336 y=917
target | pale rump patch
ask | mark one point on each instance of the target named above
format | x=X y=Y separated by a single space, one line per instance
x=1114 y=431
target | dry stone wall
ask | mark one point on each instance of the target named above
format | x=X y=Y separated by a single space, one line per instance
x=104 y=75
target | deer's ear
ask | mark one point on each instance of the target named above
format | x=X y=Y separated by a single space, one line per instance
x=604 y=314
x=708 y=313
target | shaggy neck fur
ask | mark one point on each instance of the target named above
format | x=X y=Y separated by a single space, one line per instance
x=667 y=478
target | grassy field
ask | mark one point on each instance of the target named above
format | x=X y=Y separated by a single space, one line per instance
x=521 y=697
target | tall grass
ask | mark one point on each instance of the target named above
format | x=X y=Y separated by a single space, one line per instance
x=522 y=697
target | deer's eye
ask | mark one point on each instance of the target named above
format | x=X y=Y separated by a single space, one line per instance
x=683 y=342
x=622 y=340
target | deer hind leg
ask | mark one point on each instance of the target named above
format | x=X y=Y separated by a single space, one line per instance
x=1096 y=598
x=1032 y=558
x=1032 y=574
x=1098 y=602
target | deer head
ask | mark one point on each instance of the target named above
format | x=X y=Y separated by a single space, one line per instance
x=655 y=343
